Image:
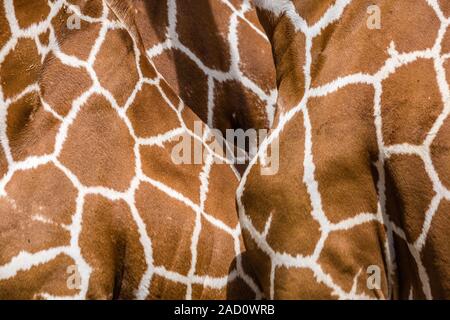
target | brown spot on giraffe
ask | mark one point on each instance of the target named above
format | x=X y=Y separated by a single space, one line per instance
x=30 y=12
x=39 y=203
x=437 y=252
x=99 y=143
x=121 y=79
x=31 y=130
x=61 y=84
x=414 y=83
x=20 y=70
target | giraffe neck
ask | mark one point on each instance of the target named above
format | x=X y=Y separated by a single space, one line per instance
x=288 y=45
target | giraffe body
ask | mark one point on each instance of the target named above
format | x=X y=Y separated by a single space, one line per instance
x=362 y=123
x=91 y=204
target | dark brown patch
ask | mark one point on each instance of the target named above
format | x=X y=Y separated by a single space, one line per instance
x=260 y=261
x=5 y=33
x=289 y=60
x=215 y=251
x=205 y=36
x=237 y=107
x=152 y=21
x=256 y=56
x=222 y=181
x=436 y=253
x=408 y=193
x=3 y=163
x=407 y=272
x=293 y=229
x=187 y=80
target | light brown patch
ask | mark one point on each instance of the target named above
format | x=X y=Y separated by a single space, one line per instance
x=32 y=195
x=89 y=8
x=301 y=284
x=161 y=288
x=149 y=113
x=289 y=60
x=312 y=11
x=445 y=7
x=170 y=225
x=99 y=148
x=117 y=50
x=200 y=292
x=120 y=263
x=205 y=34
x=183 y=178
x=293 y=230
x=21 y=68
x=411 y=102
x=446 y=41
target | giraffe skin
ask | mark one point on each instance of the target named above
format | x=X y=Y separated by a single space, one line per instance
x=215 y=55
x=363 y=126
x=91 y=205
